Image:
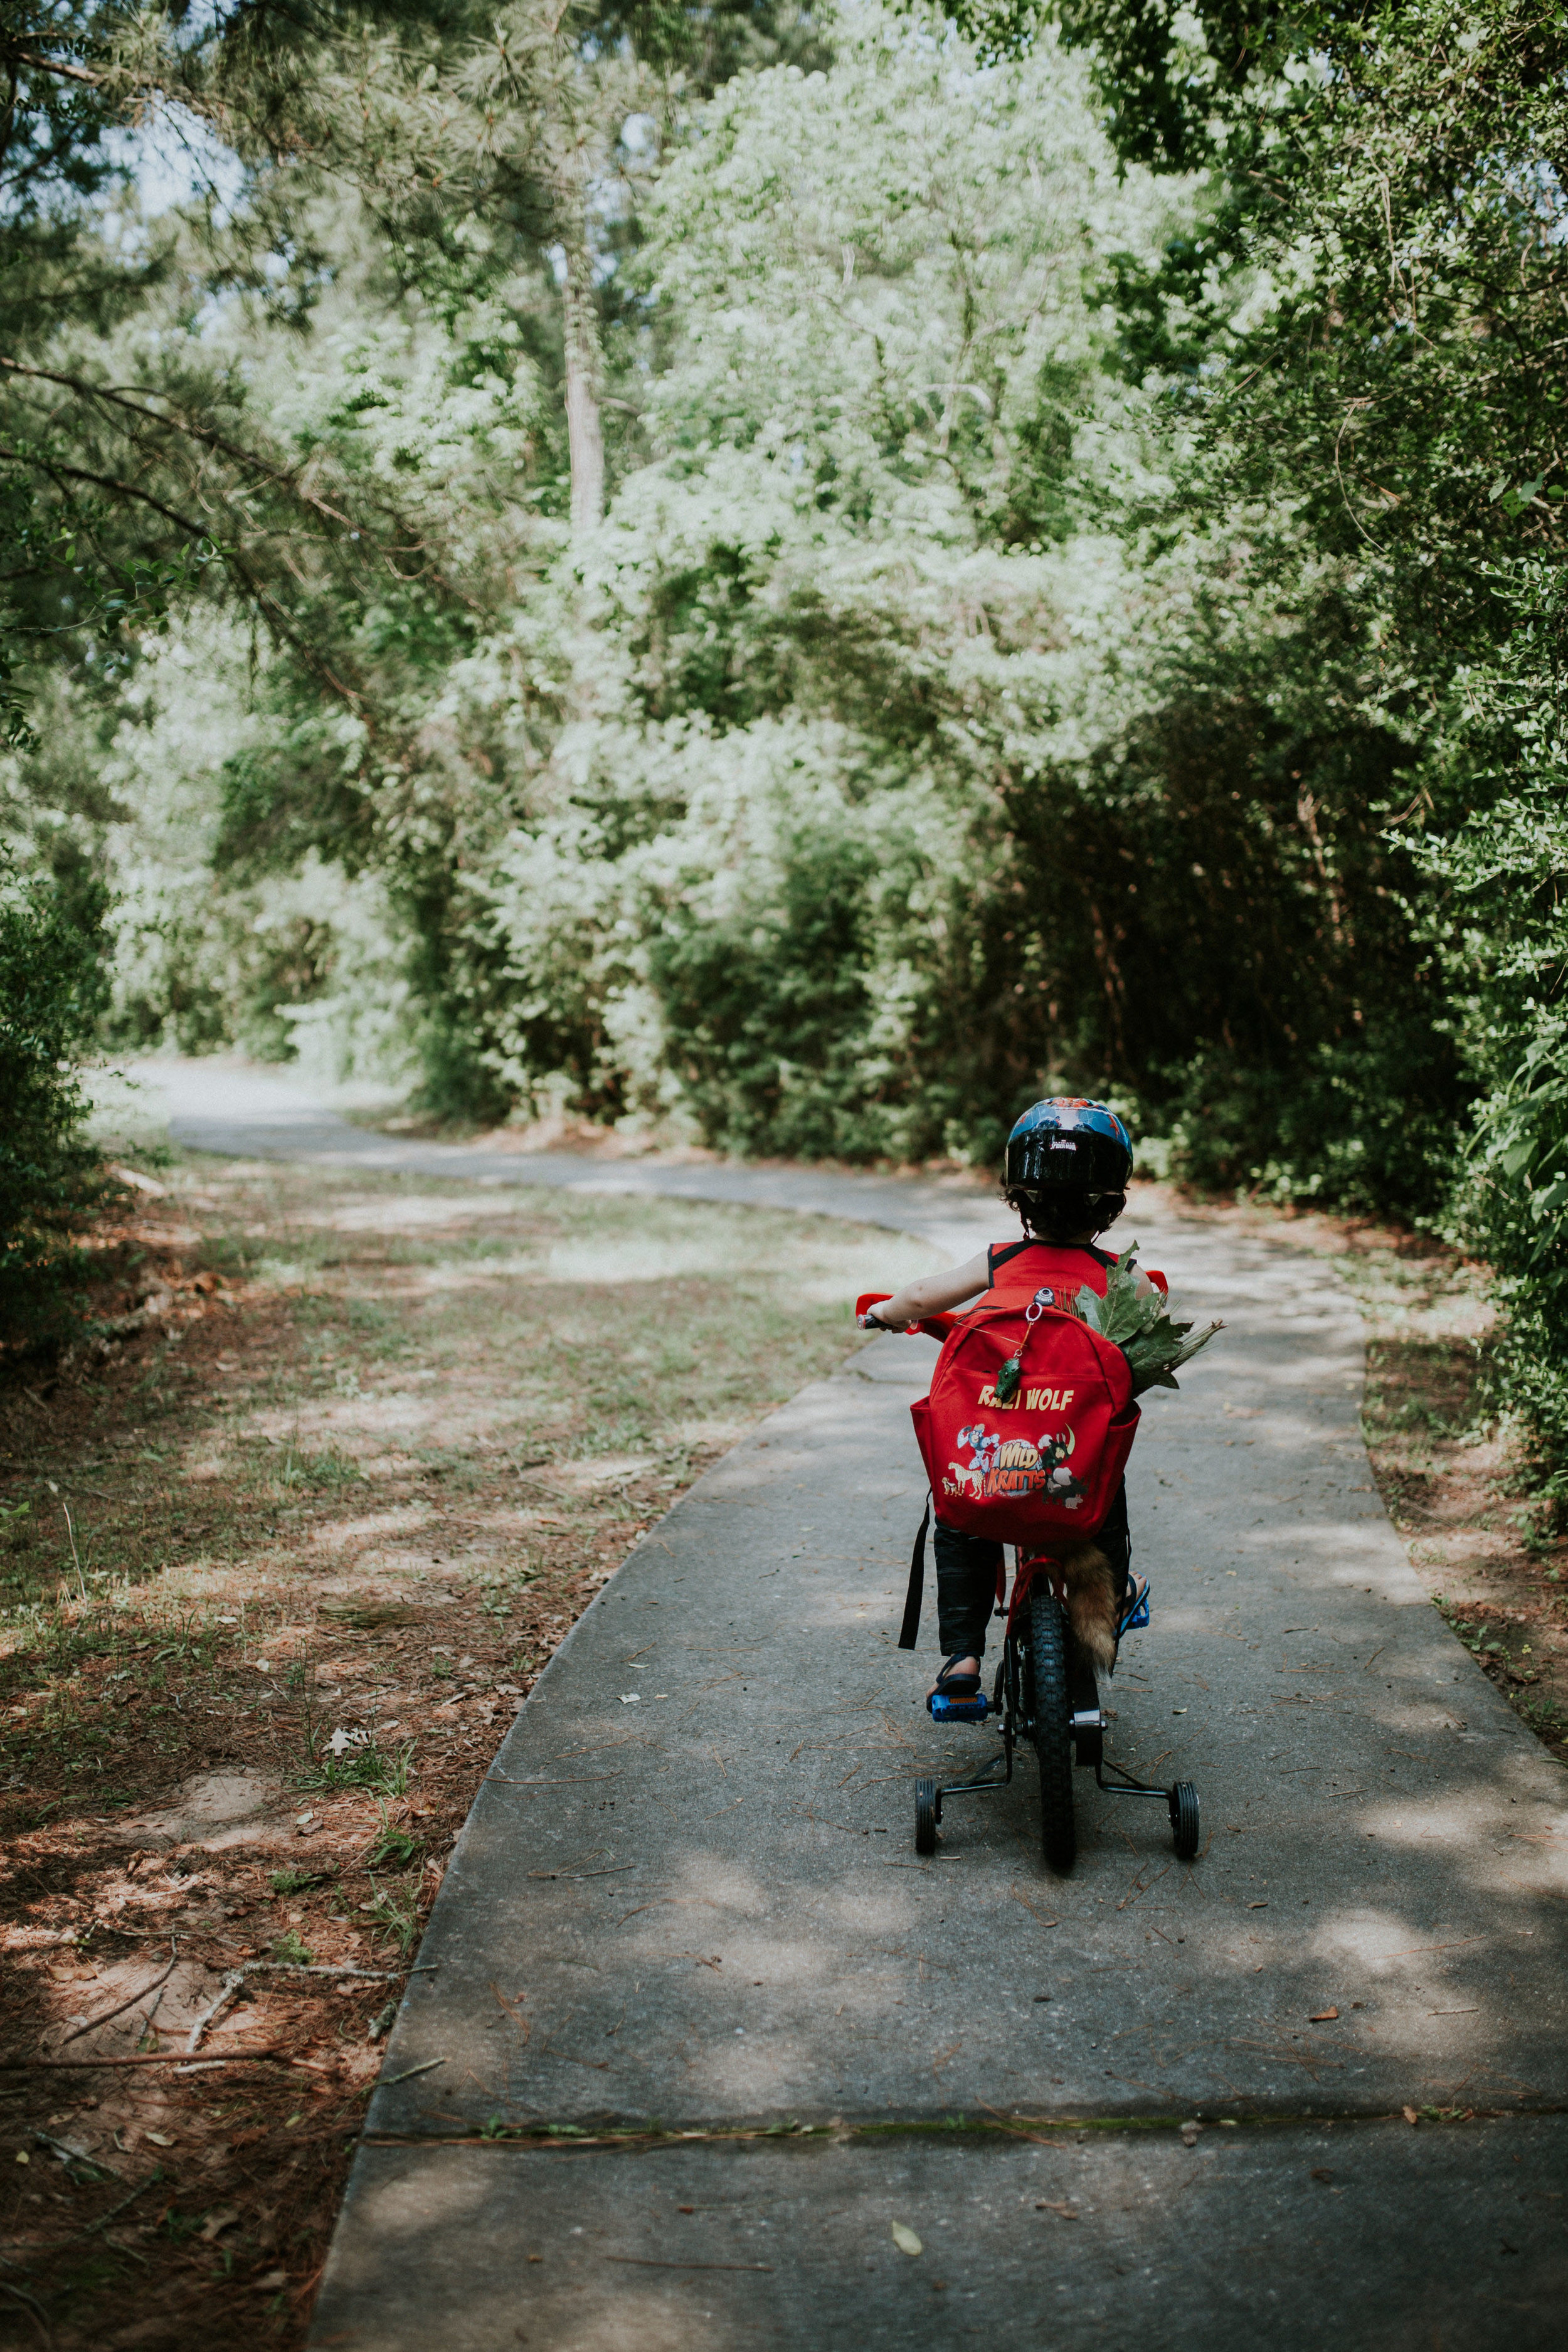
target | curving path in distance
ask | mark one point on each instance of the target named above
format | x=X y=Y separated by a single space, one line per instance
x=698 y=2028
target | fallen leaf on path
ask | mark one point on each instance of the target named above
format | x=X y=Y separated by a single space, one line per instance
x=1322 y=2017
x=1410 y=2114
x=216 y=2223
x=906 y=2240
x=1067 y=2212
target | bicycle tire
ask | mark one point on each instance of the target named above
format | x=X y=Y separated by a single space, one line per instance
x=1050 y=1712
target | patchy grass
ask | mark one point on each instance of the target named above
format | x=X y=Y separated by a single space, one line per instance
x=346 y=1459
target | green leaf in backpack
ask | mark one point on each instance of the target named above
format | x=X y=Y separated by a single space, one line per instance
x=1141 y=1326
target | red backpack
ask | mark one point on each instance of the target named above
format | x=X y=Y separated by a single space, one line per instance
x=1030 y=1418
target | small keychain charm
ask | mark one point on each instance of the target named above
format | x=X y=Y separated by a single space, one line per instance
x=1007 y=1378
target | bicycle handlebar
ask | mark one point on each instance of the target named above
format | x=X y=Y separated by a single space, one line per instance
x=935 y=1327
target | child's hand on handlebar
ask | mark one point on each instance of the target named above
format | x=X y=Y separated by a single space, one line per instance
x=933 y=1294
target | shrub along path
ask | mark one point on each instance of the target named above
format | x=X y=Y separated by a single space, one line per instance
x=704 y=2055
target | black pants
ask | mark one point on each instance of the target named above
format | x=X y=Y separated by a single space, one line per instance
x=966 y=1569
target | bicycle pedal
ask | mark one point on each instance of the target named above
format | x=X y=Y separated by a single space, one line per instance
x=958 y=1710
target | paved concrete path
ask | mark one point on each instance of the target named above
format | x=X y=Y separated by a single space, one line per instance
x=234 y=1108
x=686 y=1906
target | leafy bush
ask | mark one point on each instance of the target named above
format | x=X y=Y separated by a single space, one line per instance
x=53 y=986
x=1504 y=937
x=1070 y=610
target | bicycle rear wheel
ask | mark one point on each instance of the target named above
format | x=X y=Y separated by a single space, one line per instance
x=1050 y=1711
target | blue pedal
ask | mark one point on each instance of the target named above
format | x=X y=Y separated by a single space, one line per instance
x=958 y=1710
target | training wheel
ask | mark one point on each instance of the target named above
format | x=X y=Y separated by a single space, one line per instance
x=1184 y=1820
x=928 y=1813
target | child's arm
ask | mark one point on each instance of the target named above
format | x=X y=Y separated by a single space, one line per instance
x=931 y=1295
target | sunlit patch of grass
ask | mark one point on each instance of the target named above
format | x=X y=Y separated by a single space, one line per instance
x=368 y=1768
x=297 y=1882
x=328 y=1468
x=393 y=1847
x=394 y=1912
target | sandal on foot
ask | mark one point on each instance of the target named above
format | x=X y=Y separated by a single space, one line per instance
x=1135 y=1611
x=957 y=1698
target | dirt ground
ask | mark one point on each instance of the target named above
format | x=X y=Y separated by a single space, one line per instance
x=280 y=1557
x=283 y=1551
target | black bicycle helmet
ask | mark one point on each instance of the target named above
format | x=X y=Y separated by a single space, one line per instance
x=1067 y=1144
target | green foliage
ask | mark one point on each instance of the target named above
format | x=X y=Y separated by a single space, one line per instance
x=1505 y=940
x=394 y=1912
x=798 y=596
x=52 y=985
x=1369 y=356
x=359 y=1767
x=296 y=1882
x=1139 y=1323
x=392 y=1846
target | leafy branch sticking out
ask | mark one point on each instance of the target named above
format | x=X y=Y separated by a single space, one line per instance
x=1141 y=1326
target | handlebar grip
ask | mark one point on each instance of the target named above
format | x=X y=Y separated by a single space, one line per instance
x=935 y=1327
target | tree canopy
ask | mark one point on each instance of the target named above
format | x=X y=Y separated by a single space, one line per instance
x=799 y=578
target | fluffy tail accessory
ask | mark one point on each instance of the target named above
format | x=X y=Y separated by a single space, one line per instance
x=1092 y=1604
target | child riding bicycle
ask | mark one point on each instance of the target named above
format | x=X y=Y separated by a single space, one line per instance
x=1067 y=1166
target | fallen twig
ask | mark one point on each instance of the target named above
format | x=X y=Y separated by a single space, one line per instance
x=577 y=1780
x=35 y=2310
x=102 y=2222
x=1018 y=1896
x=409 y=2071
x=320 y=1968
x=235 y=1977
x=652 y=2262
x=70 y=1531
x=608 y=1871
x=70 y=2156
x=143 y=2058
x=233 y=1980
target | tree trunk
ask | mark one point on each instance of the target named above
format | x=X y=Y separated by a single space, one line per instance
x=584 y=431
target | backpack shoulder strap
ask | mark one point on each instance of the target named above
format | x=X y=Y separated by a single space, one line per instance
x=909 y=1629
x=1107 y=1258
x=1000 y=1252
